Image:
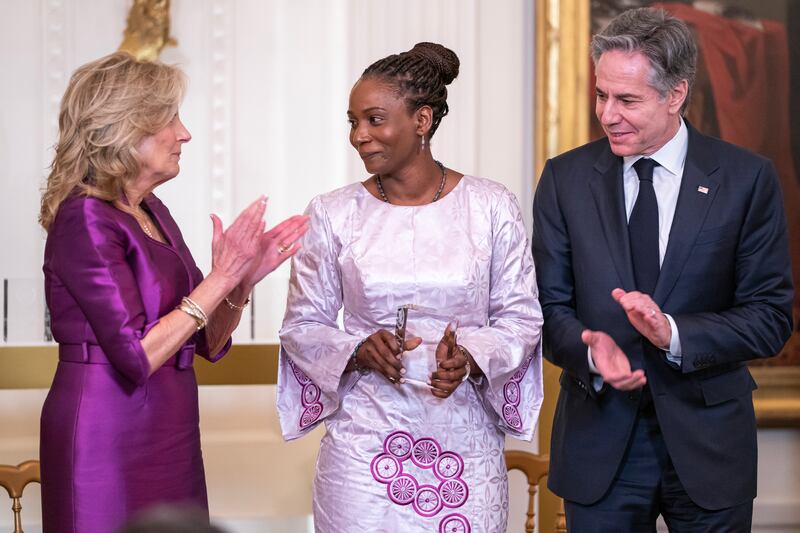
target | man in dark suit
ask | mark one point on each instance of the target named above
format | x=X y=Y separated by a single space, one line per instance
x=663 y=266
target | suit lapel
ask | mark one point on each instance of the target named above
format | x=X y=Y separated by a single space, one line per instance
x=609 y=196
x=697 y=192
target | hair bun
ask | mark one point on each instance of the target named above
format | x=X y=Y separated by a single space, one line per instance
x=445 y=60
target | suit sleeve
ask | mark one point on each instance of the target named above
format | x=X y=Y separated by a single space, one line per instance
x=759 y=321
x=553 y=257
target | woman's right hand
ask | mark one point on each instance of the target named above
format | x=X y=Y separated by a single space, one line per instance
x=234 y=250
x=381 y=352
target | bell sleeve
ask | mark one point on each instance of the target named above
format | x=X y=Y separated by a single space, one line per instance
x=314 y=350
x=508 y=349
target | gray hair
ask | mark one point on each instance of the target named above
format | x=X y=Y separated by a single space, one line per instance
x=663 y=39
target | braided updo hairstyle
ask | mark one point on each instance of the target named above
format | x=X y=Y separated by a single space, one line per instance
x=421 y=76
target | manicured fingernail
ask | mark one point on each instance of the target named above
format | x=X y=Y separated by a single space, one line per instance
x=402 y=380
x=402 y=370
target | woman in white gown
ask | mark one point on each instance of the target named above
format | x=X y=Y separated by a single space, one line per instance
x=406 y=450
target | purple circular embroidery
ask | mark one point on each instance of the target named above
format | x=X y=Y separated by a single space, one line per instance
x=402 y=489
x=425 y=452
x=511 y=392
x=520 y=373
x=448 y=465
x=299 y=375
x=310 y=414
x=511 y=416
x=310 y=394
x=427 y=501
x=384 y=467
x=399 y=444
x=454 y=523
x=454 y=492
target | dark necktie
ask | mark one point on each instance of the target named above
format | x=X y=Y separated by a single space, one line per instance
x=643 y=229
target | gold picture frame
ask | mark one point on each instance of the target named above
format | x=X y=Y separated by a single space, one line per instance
x=562 y=122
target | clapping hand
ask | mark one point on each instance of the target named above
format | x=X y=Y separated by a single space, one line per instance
x=276 y=246
x=645 y=316
x=611 y=361
x=234 y=250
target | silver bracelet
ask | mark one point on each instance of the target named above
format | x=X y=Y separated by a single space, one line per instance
x=467 y=366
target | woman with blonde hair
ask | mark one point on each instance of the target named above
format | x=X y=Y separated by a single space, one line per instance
x=129 y=307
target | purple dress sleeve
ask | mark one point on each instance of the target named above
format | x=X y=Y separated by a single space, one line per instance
x=107 y=266
x=91 y=258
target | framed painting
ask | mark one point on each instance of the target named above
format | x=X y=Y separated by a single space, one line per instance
x=748 y=68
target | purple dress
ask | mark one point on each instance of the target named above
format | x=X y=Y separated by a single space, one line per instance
x=113 y=440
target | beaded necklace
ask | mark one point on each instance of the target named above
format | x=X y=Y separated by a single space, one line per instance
x=435 y=197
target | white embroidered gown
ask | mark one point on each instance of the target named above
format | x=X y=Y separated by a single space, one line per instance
x=394 y=457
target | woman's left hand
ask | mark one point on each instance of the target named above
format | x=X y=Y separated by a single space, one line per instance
x=276 y=246
x=451 y=368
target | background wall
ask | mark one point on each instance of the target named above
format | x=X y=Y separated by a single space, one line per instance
x=269 y=81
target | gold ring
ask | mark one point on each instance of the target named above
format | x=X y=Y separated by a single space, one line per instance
x=283 y=248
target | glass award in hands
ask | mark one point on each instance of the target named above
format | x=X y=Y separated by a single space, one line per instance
x=419 y=332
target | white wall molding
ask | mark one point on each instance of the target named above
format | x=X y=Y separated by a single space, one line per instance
x=221 y=112
x=55 y=61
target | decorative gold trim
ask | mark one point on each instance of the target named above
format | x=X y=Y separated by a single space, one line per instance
x=147 y=29
x=561 y=122
x=777 y=400
x=248 y=364
x=562 y=77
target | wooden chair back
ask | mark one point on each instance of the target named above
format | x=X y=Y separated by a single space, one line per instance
x=14 y=479
x=535 y=468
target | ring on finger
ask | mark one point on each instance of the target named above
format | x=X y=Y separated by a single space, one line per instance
x=652 y=312
x=283 y=248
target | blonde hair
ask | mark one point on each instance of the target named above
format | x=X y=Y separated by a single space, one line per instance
x=110 y=105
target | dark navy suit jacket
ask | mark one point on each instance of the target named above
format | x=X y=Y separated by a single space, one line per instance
x=726 y=281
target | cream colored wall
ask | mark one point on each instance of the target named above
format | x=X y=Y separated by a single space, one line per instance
x=266 y=105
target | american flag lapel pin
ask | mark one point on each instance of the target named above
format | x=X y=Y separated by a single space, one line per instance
x=702 y=189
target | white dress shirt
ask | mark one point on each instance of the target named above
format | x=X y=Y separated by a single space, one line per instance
x=667 y=177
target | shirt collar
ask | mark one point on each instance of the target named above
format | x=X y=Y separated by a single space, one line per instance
x=671 y=156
